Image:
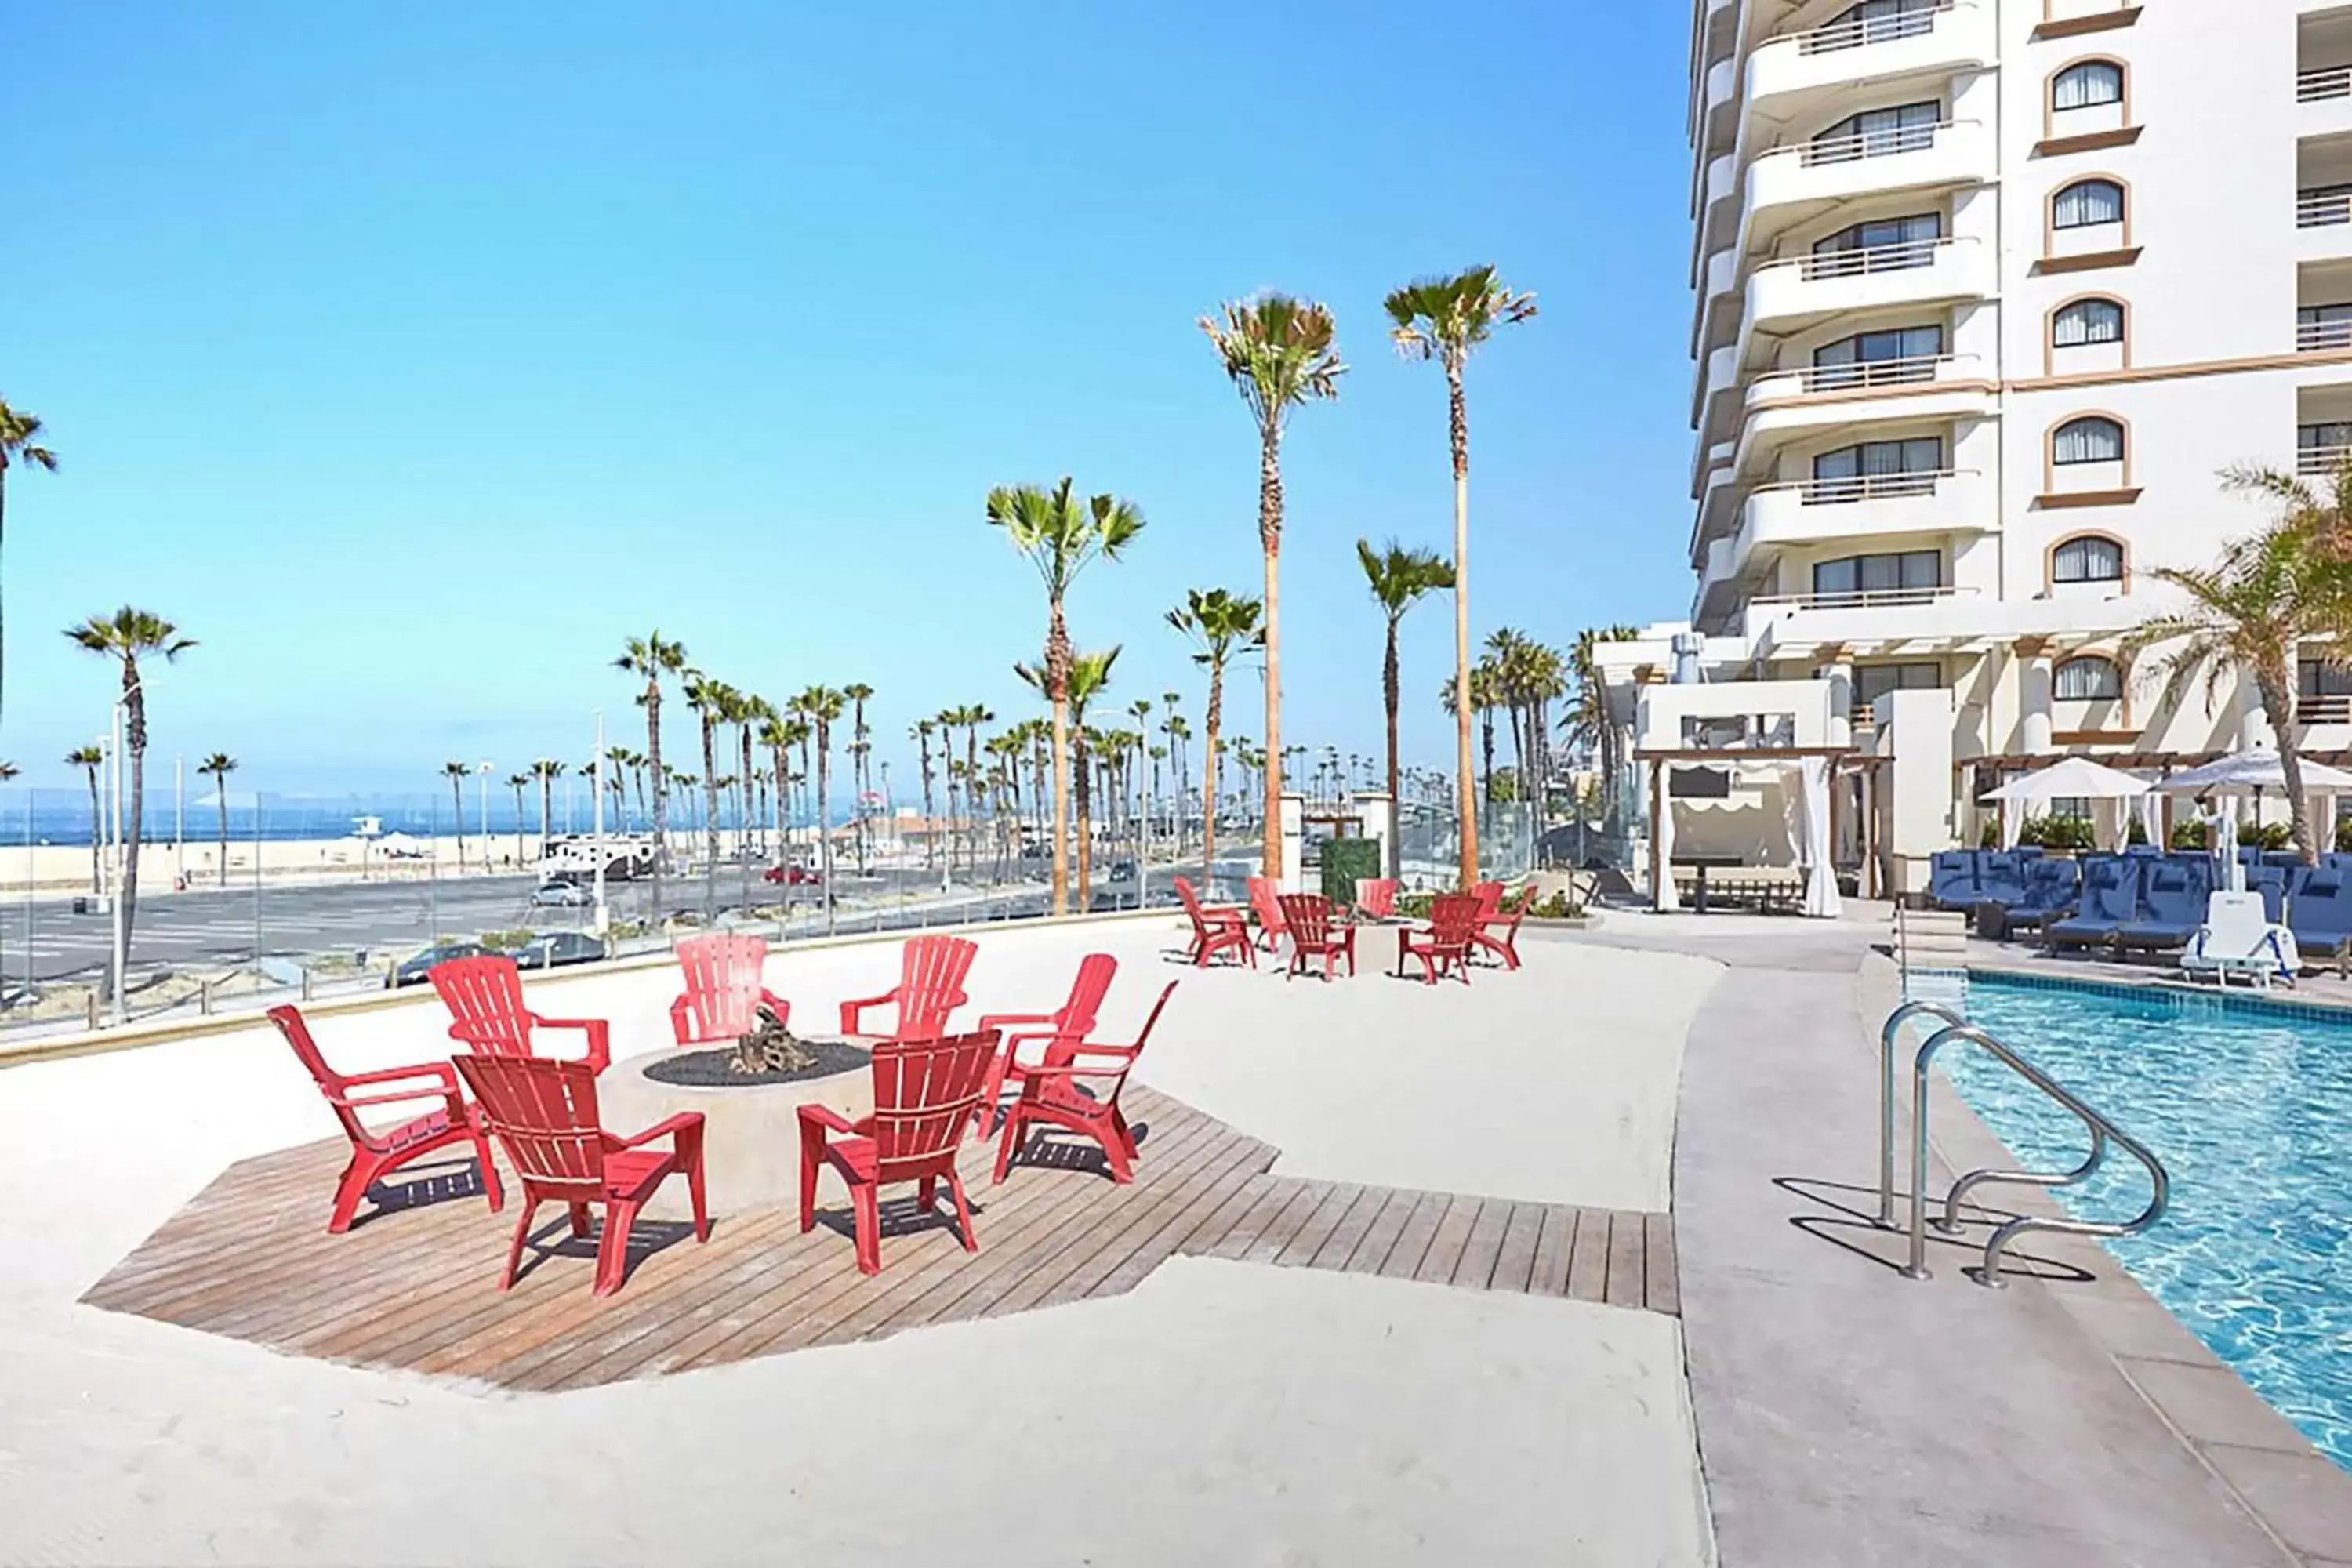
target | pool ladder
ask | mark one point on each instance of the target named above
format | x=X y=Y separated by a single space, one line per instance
x=1956 y=1030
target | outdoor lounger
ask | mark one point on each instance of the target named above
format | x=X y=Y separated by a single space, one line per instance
x=2172 y=898
x=2320 y=915
x=2110 y=902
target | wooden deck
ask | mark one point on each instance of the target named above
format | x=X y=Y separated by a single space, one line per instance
x=413 y=1285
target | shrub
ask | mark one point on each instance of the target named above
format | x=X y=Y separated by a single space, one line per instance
x=2269 y=835
x=2188 y=836
x=506 y=940
x=1988 y=838
x=1558 y=907
x=2057 y=832
x=1346 y=862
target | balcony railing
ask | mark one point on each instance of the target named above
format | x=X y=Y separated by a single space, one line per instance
x=2323 y=208
x=2321 y=461
x=1863 y=487
x=1898 y=258
x=1870 y=30
x=2334 y=82
x=2311 y=335
x=1859 y=599
x=1860 y=375
x=2334 y=710
x=1881 y=143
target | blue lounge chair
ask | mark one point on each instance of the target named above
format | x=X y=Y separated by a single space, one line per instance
x=2053 y=888
x=1952 y=879
x=2171 y=904
x=2144 y=851
x=2271 y=882
x=2319 y=913
x=2000 y=878
x=2110 y=901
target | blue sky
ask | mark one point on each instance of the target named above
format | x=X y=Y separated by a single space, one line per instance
x=412 y=357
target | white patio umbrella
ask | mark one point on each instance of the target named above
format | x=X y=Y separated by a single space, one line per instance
x=2069 y=778
x=2251 y=772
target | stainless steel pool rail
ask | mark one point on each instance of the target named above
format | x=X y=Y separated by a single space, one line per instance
x=1957 y=1031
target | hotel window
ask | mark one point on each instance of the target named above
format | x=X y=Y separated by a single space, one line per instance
x=1878 y=468
x=2087 y=204
x=2321 y=448
x=2090 y=439
x=2090 y=559
x=2319 y=678
x=1914 y=573
x=1881 y=245
x=2323 y=327
x=2089 y=679
x=1875 y=132
x=1873 y=682
x=2088 y=322
x=1877 y=359
x=2086 y=85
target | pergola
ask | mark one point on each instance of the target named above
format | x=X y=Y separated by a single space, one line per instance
x=1841 y=762
x=2007 y=764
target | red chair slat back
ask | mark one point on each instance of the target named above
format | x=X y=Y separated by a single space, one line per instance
x=1489 y=896
x=1308 y=918
x=484 y=996
x=1264 y=899
x=1191 y=900
x=1076 y=1021
x=931 y=971
x=925 y=1095
x=297 y=1030
x=724 y=974
x=1376 y=895
x=1454 y=918
x=544 y=1113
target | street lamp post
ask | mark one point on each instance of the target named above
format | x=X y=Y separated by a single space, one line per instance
x=596 y=805
x=482 y=818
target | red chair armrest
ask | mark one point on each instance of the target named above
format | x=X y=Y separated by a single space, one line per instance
x=599 y=1033
x=826 y=1117
x=678 y=1013
x=776 y=1005
x=354 y=1101
x=850 y=1010
x=1072 y=1070
x=999 y=1020
x=689 y=1122
x=443 y=1071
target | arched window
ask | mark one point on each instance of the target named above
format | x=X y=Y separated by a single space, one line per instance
x=2089 y=678
x=2089 y=559
x=2087 y=203
x=2090 y=440
x=2086 y=321
x=2088 y=85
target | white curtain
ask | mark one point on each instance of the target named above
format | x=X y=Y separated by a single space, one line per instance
x=1663 y=897
x=2151 y=817
x=2012 y=822
x=2107 y=818
x=1821 y=899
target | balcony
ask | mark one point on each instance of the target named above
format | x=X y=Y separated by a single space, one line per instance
x=1787 y=296
x=1834 y=617
x=2320 y=86
x=1716 y=287
x=2315 y=337
x=2332 y=710
x=1719 y=125
x=2320 y=462
x=1815 y=397
x=1788 y=185
x=1717 y=375
x=1785 y=74
x=1867 y=506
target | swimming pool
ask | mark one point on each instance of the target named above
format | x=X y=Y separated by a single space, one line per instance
x=2251 y=1112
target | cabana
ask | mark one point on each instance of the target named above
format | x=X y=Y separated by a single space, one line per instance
x=2069 y=778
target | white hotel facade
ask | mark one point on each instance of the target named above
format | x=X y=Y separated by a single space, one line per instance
x=1986 y=294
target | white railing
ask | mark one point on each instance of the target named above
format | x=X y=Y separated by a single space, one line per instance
x=2329 y=709
x=1863 y=487
x=2310 y=335
x=1884 y=143
x=2311 y=461
x=1862 y=375
x=1859 y=599
x=2311 y=87
x=1902 y=257
x=2320 y=209
x=1867 y=31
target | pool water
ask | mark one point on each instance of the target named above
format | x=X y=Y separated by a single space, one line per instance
x=2250 y=1112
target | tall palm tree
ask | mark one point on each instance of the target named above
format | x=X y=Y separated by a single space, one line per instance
x=547 y=770
x=778 y=739
x=1061 y=535
x=652 y=659
x=127 y=636
x=973 y=715
x=1588 y=721
x=1482 y=701
x=1279 y=353
x=516 y=783
x=20 y=442
x=824 y=705
x=1221 y=625
x=1446 y=319
x=707 y=698
x=220 y=764
x=1174 y=728
x=860 y=750
x=89 y=759
x=1398 y=578
x=921 y=735
x=1140 y=710
x=1088 y=674
x=455 y=771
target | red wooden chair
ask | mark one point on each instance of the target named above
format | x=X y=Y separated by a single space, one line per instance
x=1267 y=904
x=1498 y=933
x=1317 y=931
x=1215 y=930
x=1490 y=897
x=1071 y=1024
x=544 y=1113
x=925 y=1094
x=723 y=990
x=377 y=1153
x=931 y=971
x=1376 y=898
x=484 y=996
x=1445 y=946
x=1052 y=1096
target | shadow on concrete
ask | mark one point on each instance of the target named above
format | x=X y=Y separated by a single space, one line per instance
x=421 y=1186
x=1851 y=1225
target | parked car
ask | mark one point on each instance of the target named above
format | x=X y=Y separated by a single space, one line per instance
x=413 y=971
x=793 y=876
x=562 y=895
x=558 y=948
x=1121 y=872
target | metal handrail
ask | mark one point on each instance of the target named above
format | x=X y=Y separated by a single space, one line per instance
x=2102 y=1131
x=1900 y=256
x=2333 y=82
x=2310 y=461
x=2322 y=208
x=1840 y=36
x=2331 y=334
x=1887 y=1033
x=1887 y=142
x=1858 y=375
x=1863 y=487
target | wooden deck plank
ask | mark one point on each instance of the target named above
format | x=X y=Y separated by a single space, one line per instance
x=1588 y=1263
x=1157 y=1228
x=1664 y=1292
x=1372 y=1248
x=1403 y=1262
x=1445 y=1253
x=1211 y=1233
x=1306 y=1197
x=1231 y=1185
x=1628 y=1270
x=1348 y=1234
x=1244 y=1232
x=1549 y=1275
x=1515 y=1263
x=1301 y=1249
x=1485 y=1245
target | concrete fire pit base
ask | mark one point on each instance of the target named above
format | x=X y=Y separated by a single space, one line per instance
x=751 y=1143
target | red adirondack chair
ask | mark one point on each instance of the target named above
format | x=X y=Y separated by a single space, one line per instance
x=1376 y=898
x=723 y=990
x=1267 y=903
x=1489 y=896
x=1316 y=931
x=931 y=971
x=544 y=1112
x=1215 y=930
x=1498 y=933
x=375 y=1154
x=1053 y=1096
x=484 y=996
x=1444 y=945
x=925 y=1094
x=1069 y=1024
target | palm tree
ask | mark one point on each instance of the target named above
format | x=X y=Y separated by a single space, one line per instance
x=2251 y=613
x=89 y=759
x=516 y=783
x=1140 y=710
x=707 y=698
x=973 y=715
x=220 y=764
x=20 y=435
x=1174 y=728
x=1398 y=578
x=860 y=750
x=651 y=659
x=1445 y=319
x=1588 y=721
x=127 y=636
x=1279 y=353
x=547 y=770
x=455 y=771
x=1088 y=674
x=778 y=739
x=824 y=705
x=1219 y=625
x=921 y=735
x=1482 y=698
x=1062 y=536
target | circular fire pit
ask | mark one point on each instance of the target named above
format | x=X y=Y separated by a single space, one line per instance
x=751 y=1140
